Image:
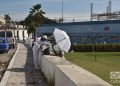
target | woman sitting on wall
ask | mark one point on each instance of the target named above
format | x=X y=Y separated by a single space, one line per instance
x=44 y=45
x=54 y=48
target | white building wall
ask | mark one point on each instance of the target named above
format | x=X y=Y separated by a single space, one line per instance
x=20 y=34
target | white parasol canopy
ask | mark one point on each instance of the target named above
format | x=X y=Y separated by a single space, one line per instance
x=62 y=39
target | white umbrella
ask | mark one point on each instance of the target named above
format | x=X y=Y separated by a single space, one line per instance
x=62 y=39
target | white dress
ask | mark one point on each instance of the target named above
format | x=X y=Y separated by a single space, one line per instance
x=36 y=49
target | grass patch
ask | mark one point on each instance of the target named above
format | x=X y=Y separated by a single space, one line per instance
x=99 y=63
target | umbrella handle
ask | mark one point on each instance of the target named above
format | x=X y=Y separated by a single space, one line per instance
x=54 y=50
x=61 y=40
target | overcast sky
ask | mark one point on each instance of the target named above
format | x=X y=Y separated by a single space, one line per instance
x=72 y=9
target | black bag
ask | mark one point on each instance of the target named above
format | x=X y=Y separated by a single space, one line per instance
x=46 y=51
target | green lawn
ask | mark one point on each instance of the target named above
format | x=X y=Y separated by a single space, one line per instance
x=104 y=63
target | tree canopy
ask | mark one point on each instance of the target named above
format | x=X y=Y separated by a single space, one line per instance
x=35 y=18
x=49 y=21
x=7 y=18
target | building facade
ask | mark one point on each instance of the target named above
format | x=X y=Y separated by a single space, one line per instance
x=2 y=20
x=87 y=32
x=18 y=32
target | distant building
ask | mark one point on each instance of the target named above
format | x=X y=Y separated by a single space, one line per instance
x=19 y=32
x=2 y=20
x=87 y=32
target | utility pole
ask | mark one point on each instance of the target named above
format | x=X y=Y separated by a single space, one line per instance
x=62 y=11
x=107 y=11
x=18 y=30
x=62 y=14
x=91 y=12
x=110 y=6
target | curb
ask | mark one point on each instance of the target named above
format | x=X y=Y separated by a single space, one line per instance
x=7 y=73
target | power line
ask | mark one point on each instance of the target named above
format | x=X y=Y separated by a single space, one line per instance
x=71 y=17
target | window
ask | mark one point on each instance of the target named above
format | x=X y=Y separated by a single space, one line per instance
x=2 y=41
x=2 y=34
x=9 y=34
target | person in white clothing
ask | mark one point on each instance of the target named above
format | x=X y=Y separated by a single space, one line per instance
x=45 y=45
x=36 y=48
x=41 y=46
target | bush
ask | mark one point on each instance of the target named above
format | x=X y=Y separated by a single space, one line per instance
x=96 y=48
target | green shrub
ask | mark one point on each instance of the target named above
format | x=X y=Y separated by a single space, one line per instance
x=96 y=48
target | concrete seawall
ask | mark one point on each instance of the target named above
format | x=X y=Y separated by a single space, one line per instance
x=65 y=73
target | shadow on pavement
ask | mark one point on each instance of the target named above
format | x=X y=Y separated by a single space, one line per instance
x=33 y=76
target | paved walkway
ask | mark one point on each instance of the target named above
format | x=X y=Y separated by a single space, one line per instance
x=23 y=72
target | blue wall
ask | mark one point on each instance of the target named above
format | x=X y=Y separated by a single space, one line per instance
x=88 y=32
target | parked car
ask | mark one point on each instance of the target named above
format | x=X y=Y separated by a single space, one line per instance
x=9 y=36
x=4 y=45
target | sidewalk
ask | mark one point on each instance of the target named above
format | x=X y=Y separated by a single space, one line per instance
x=23 y=73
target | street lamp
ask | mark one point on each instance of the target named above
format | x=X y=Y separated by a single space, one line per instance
x=93 y=40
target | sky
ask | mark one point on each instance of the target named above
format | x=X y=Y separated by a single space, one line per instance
x=72 y=9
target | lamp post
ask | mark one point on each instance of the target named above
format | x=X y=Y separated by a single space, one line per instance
x=93 y=40
x=94 y=31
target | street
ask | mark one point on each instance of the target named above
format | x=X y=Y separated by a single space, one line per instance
x=4 y=60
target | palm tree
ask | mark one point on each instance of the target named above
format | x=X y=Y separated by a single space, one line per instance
x=37 y=14
x=35 y=18
x=7 y=18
